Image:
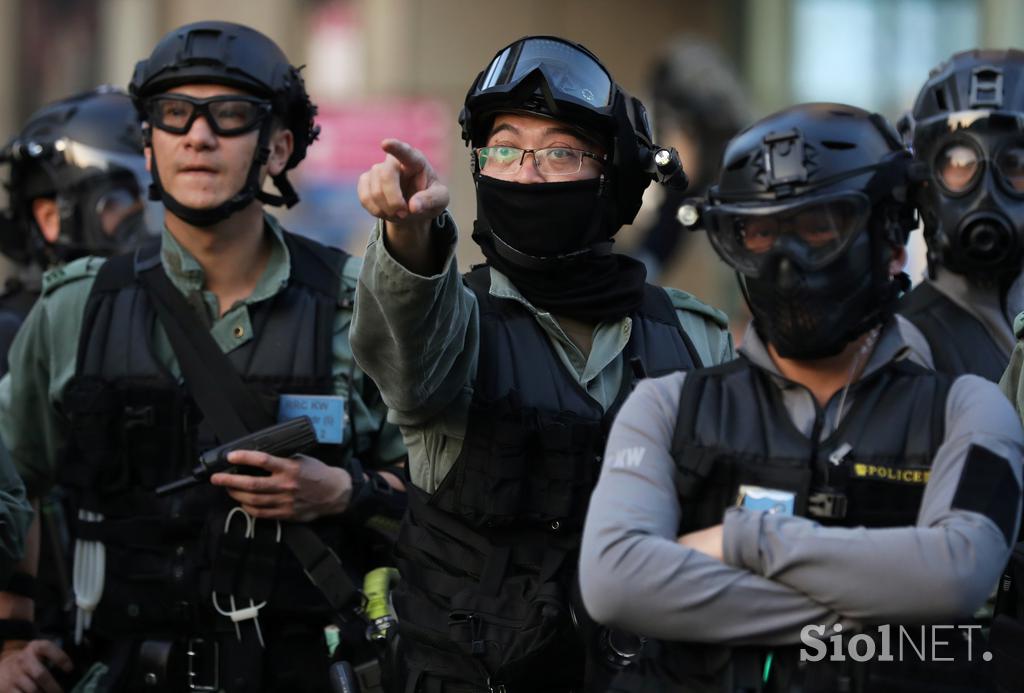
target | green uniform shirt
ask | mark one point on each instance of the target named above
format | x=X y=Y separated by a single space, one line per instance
x=418 y=338
x=43 y=355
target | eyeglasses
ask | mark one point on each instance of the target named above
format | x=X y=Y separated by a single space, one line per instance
x=228 y=115
x=550 y=161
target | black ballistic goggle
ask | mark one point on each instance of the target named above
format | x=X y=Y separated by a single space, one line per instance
x=570 y=72
x=229 y=114
x=813 y=232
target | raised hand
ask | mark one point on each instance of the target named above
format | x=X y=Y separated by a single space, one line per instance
x=406 y=193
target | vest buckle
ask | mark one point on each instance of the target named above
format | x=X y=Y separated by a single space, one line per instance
x=827 y=504
x=203 y=658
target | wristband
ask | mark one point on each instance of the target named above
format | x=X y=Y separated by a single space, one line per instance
x=17 y=629
x=22 y=584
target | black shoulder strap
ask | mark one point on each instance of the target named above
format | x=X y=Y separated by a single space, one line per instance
x=658 y=306
x=316 y=265
x=958 y=340
x=691 y=399
x=233 y=412
x=115 y=274
x=478 y=280
x=319 y=268
x=211 y=379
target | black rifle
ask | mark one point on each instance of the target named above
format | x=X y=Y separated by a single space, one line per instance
x=282 y=440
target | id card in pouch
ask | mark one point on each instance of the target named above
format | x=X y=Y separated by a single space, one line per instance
x=768 y=500
x=327 y=412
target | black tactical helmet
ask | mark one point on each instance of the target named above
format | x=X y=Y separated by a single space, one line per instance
x=967 y=130
x=85 y=152
x=236 y=56
x=549 y=76
x=809 y=204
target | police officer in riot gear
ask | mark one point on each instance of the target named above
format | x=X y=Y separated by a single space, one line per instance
x=77 y=181
x=968 y=135
x=504 y=380
x=128 y=368
x=821 y=480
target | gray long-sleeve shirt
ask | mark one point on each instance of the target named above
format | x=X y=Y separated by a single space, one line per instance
x=781 y=573
x=418 y=338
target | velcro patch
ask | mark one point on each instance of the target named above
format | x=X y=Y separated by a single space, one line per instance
x=987 y=486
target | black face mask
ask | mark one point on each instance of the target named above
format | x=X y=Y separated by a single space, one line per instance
x=814 y=314
x=553 y=240
x=542 y=220
x=977 y=228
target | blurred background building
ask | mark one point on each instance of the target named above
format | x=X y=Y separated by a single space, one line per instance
x=401 y=68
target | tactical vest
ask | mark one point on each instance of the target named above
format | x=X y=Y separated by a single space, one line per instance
x=959 y=342
x=733 y=432
x=488 y=561
x=134 y=428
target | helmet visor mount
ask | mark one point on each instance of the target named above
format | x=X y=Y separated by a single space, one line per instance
x=813 y=232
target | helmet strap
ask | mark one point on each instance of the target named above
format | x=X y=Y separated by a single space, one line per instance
x=240 y=200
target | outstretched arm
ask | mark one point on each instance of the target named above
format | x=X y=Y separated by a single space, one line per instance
x=414 y=330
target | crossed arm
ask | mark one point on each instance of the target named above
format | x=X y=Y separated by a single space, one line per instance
x=758 y=579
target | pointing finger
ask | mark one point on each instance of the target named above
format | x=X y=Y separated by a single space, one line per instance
x=431 y=201
x=411 y=159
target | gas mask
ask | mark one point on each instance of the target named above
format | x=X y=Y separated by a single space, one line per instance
x=973 y=208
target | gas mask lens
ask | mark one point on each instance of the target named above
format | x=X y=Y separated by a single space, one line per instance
x=1011 y=166
x=957 y=167
x=813 y=233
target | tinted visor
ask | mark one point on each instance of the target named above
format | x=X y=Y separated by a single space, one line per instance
x=570 y=71
x=812 y=232
x=128 y=183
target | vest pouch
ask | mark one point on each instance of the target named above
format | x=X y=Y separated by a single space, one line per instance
x=521 y=465
x=563 y=469
x=671 y=667
x=521 y=634
x=94 y=406
x=711 y=481
x=880 y=491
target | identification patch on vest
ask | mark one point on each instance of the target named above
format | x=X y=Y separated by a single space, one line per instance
x=898 y=474
x=769 y=500
x=326 y=411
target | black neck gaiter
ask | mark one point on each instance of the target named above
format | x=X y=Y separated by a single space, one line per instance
x=542 y=236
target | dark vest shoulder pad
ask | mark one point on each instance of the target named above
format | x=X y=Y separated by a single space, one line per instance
x=959 y=342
